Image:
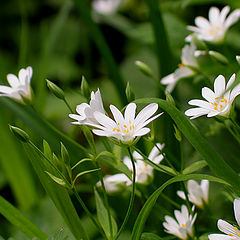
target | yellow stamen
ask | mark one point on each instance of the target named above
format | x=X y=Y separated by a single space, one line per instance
x=238 y=234
x=221 y=106
x=230 y=234
x=125 y=126
x=183 y=225
x=182 y=64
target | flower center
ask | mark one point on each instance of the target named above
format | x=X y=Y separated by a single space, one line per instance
x=126 y=129
x=182 y=64
x=219 y=104
x=214 y=30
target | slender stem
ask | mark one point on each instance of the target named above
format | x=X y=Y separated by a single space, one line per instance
x=68 y=105
x=232 y=132
x=87 y=211
x=187 y=199
x=105 y=200
x=132 y=196
x=154 y=164
x=170 y=200
x=165 y=157
x=236 y=126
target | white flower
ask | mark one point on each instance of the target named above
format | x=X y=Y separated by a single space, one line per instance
x=125 y=128
x=19 y=86
x=197 y=193
x=86 y=111
x=188 y=58
x=218 y=102
x=143 y=170
x=106 y=6
x=183 y=227
x=214 y=30
x=231 y=232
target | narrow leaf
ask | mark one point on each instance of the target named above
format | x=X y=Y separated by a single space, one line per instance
x=20 y=221
x=195 y=167
x=57 y=180
x=103 y=217
x=150 y=236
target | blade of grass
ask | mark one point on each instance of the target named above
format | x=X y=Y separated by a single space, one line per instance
x=16 y=169
x=103 y=48
x=57 y=193
x=215 y=162
x=14 y=216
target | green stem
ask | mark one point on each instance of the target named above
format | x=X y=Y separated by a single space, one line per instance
x=187 y=199
x=103 y=48
x=170 y=200
x=236 y=126
x=68 y=105
x=87 y=211
x=105 y=200
x=132 y=196
x=151 y=163
x=165 y=157
x=237 y=138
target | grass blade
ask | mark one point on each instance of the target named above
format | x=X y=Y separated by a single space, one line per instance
x=20 y=221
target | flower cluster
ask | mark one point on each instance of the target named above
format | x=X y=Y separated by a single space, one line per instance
x=123 y=128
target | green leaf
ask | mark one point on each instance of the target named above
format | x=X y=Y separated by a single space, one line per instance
x=47 y=150
x=145 y=211
x=17 y=170
x=57 y=180
x=57 y=193
x=195 y=167
x=102 y=215
x=20 y=221
x=215 y=162
x=85 y=172
x=150 y=236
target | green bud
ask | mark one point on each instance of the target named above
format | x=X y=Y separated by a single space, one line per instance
x=19 y=133
x=129 y=93
x=144 y=68
x=84 y=88
x=169 y=98
x=177 y=134
x=65 y=155
x=238 y=59
x=199 y=43
x=57 y=91
x=219 y=57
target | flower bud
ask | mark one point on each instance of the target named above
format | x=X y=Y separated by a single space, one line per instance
x=144 y=68
x=84 y=88
x=57 y=91
x=19 y=133
x=129 y=93
x=219 y=57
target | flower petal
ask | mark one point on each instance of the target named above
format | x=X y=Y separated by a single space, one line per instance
x=196 y=112
x=219 y=237
x=117 y=114
x=219 y=85
x=236 y=205
x=7 y=90
x=232 y=18
x=224 y=14
x=208 y=94
x=200 y=103
x=13 y=80
x=231 y=81
x=202 y=22
x=225 y=227
x=105 y=120
x=22 y=76
x=130 y=112
x=214 y=15
x=145 y=114
x=205 y=189
x=141 y=132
